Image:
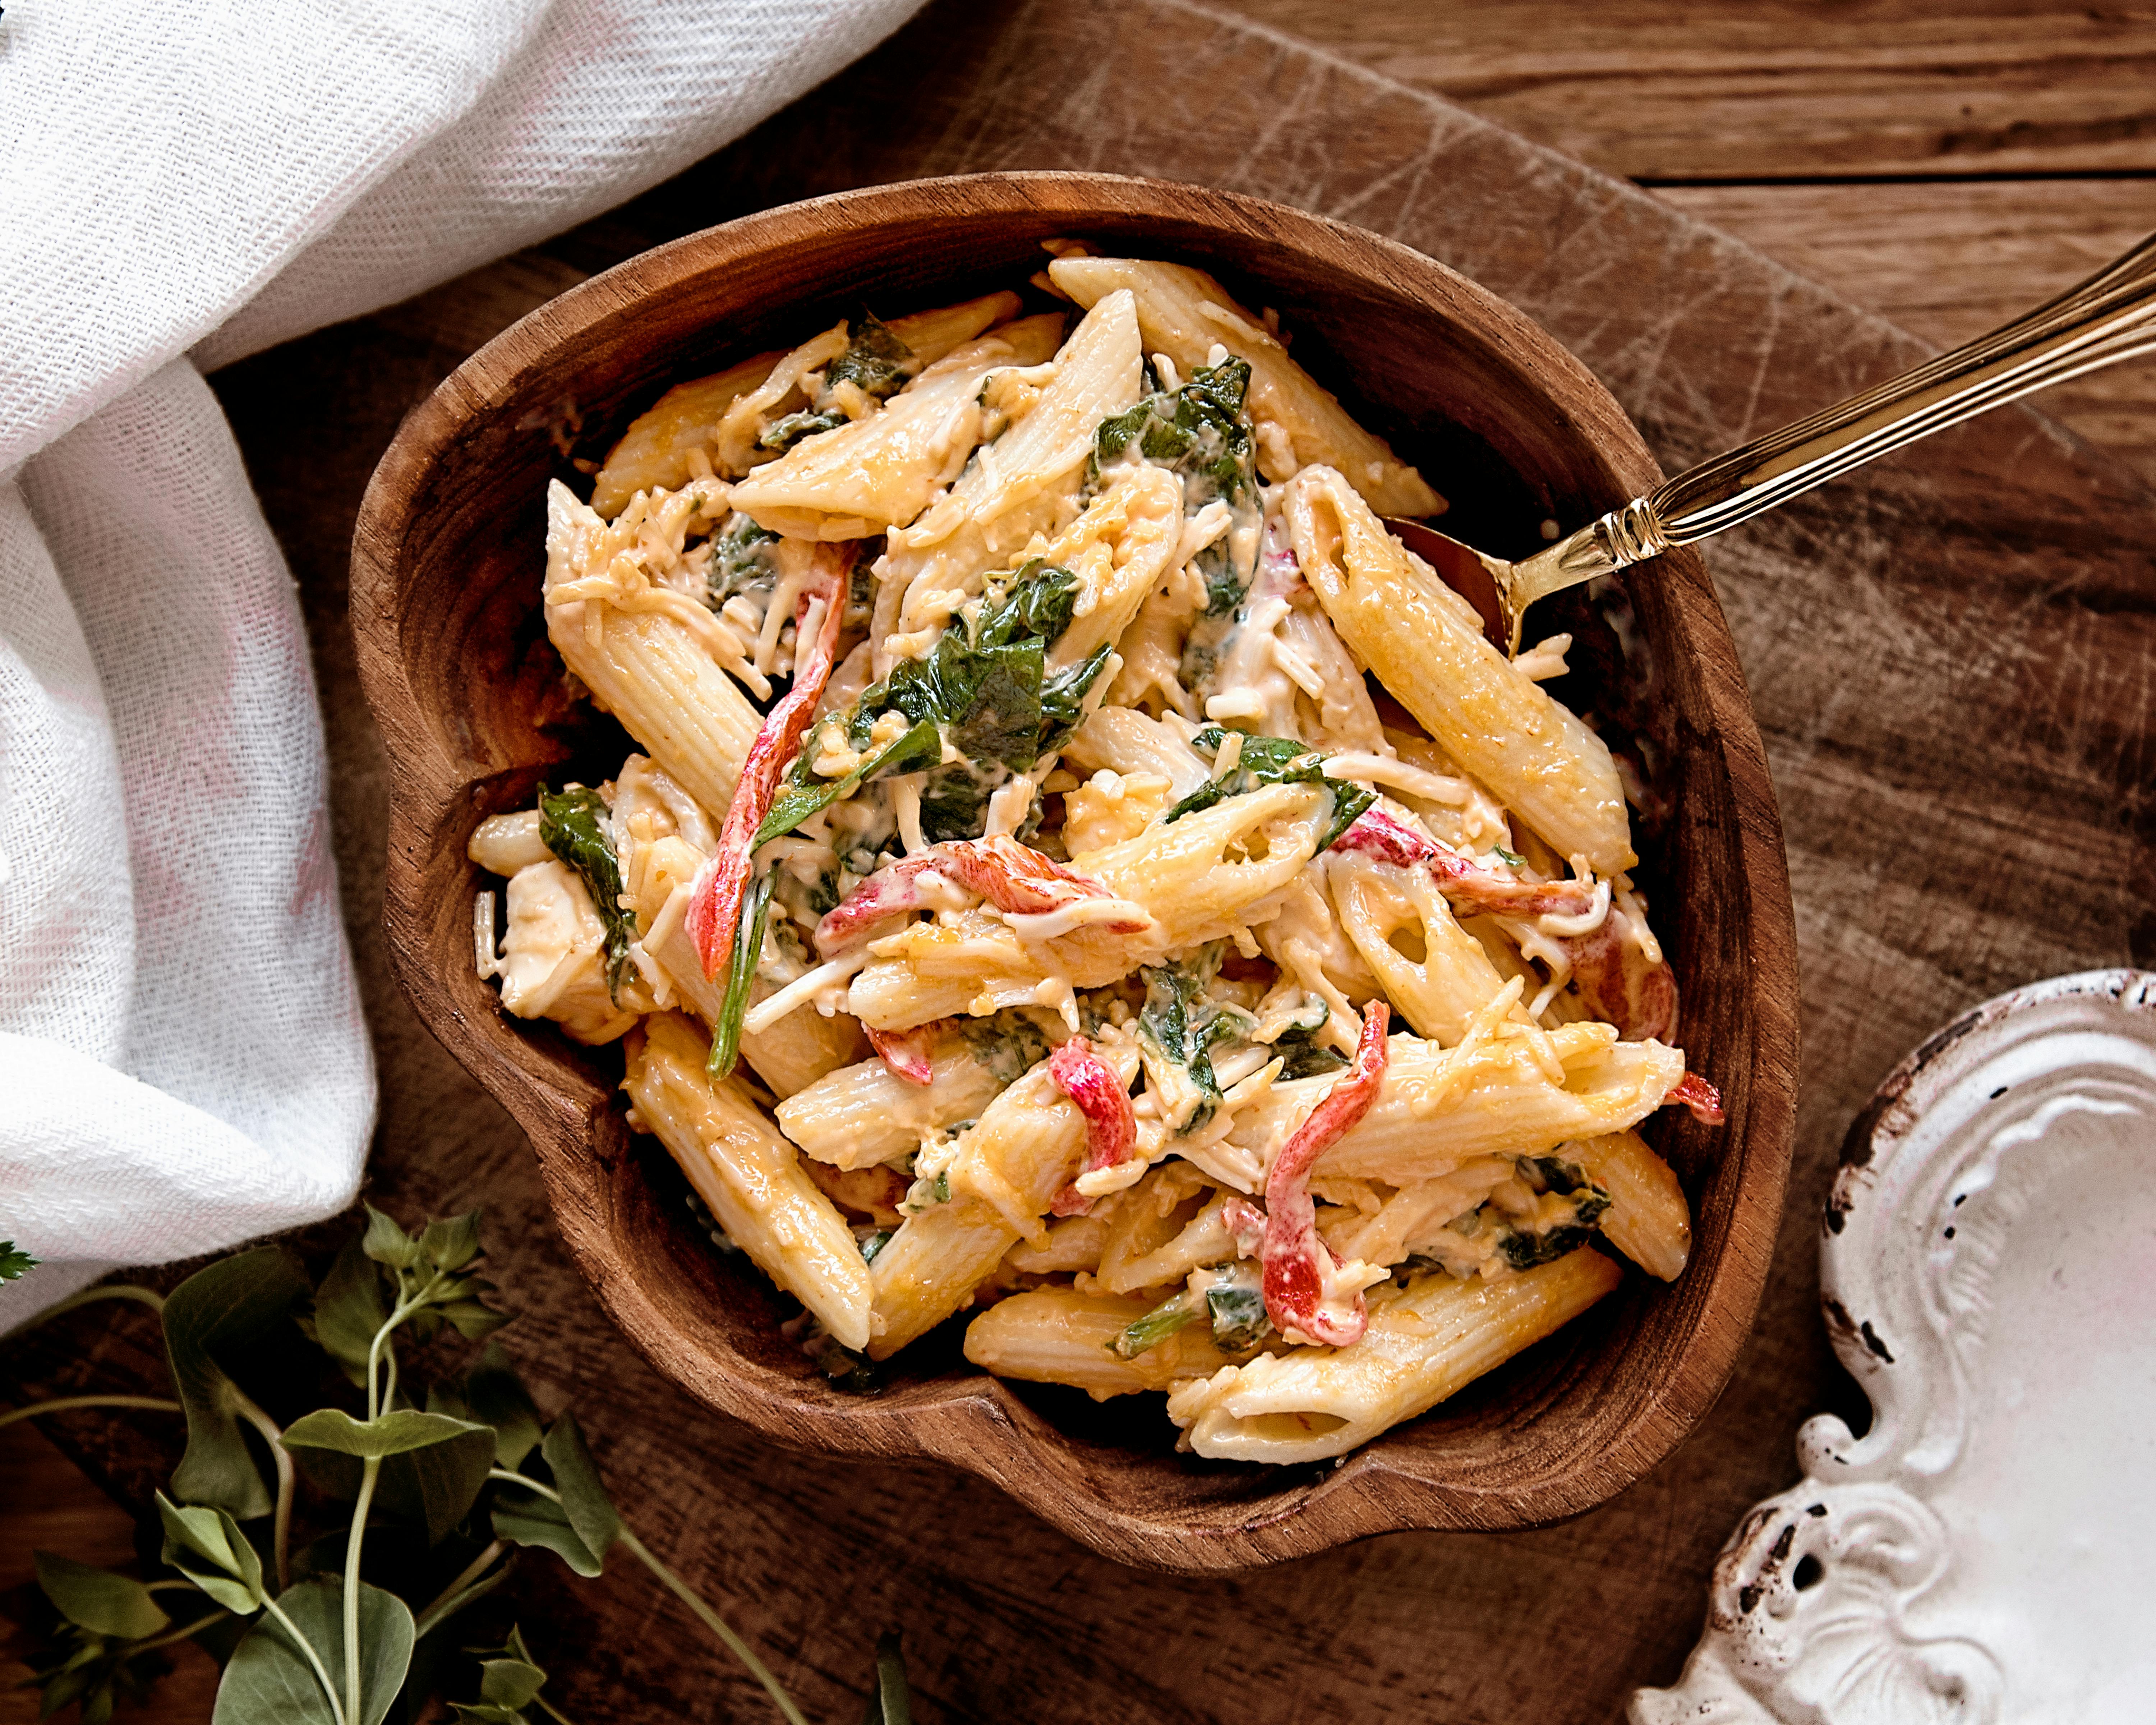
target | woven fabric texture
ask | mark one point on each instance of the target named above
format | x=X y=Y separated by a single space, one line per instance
x=181 y=1054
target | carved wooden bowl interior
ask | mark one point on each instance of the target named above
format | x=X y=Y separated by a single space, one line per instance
x=447 y=566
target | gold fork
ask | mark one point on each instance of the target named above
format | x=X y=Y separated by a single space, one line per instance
x=2109 y=317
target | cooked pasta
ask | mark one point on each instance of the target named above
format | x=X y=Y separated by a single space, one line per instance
x=1023 y=910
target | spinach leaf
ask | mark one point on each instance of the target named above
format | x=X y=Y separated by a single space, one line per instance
x=1178 y=1312
x=570 y=826
x=1203 y=432
x=1184 y=1024
x=1306 y=1057
x=1273 y=760
x=805 y=795
x=1200 y=431
x=789 y=430
x=741 y=976
x=985 y=689
x=1238 y=1311
x=875 y=362
x=744 y=559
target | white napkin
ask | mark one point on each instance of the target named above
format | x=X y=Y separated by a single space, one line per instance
x=183 y=1062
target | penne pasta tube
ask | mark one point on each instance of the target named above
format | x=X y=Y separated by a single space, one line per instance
x=1184 y=313
x=881 y=472
x=1026 y=482
x=1009 y=1163
x=1061 y=1336
x=1199 y=878
x=789 y=1055
x=1439 y=1108
x=658 y=450
x=749 y=1175
x=1425 y=1342
x=1125 y=740
x=865 y=1114
x=647 y=668
x=1430 y=967
x=1648 y=1219
x=1426 y=644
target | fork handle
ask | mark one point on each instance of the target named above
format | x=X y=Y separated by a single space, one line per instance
x=2109 y=317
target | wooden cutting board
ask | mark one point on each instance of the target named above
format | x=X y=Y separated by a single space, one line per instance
x=1951 y=657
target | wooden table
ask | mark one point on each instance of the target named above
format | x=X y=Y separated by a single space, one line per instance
x=1936 y=164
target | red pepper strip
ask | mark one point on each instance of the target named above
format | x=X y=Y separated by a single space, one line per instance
x=1111 y=1128
x=1640 y=1000
x=1292 y=1279
x=905 y=1052
x=715 y=904
x=1458 y=877
x=1010 y=876
x=1696 y=1094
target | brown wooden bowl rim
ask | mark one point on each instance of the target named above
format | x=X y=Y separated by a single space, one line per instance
x=981 y=1427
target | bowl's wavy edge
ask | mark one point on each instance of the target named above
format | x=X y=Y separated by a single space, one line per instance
x=982 y=1430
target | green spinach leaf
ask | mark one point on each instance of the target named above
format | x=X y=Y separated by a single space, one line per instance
x=571 y=825
x=1273 y=760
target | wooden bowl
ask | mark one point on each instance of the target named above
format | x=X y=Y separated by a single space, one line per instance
x=446 y=571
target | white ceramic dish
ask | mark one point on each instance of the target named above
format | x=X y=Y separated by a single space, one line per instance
x=1982 y=1554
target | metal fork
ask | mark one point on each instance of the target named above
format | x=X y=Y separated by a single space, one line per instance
x=2109 y=317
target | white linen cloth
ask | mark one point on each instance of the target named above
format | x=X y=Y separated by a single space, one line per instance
x=182 y=1061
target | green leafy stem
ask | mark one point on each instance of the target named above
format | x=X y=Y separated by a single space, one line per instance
x=458 y=1466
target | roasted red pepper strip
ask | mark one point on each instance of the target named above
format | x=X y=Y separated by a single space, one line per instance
x=1111 y=1128
x=1293 y=1278
x=1010 y=876
x=1639 y=998
x=714 y=903
x=1696 y=1094
x=905 y=1052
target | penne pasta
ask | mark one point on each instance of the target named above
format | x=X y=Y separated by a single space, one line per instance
x=1425 y=1342
x=748 y=1175
x=1648 y=1219
x=864 y=1114
x=1198 y=880
x=1144 y=903
x=1008 y=1166
x=1024 y=482
x=1184 y=313
x=1061 y=1336
x=1426 y=643
x=647 y=668
x=880 y=472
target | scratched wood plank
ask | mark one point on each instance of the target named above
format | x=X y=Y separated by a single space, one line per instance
x=1947 y=262
x=1950 y=656
x=1774 y=90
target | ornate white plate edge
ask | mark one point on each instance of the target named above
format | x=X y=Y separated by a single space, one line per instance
x=1951 y=1565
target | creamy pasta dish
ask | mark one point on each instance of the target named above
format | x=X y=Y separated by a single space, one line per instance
x=1077 y=870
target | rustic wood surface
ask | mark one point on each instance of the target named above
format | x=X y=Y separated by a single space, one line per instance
x=1948 y=656
x=445 y=566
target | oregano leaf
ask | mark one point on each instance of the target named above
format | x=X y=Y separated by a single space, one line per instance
x=223 y=1309
x=205 y=1545
x=390 y=1434
x=584 y=1498
x=270 y=1682
x=385 y=1241
x=452 y=1244
x=349 y=1309
x=116 y=1605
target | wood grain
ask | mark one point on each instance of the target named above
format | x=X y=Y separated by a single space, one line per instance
x=445 y=605
x=1677 y=90
x=1949 y=262
x=1948 y=656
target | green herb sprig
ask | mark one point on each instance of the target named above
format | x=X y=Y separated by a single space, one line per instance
x=311 y=1634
